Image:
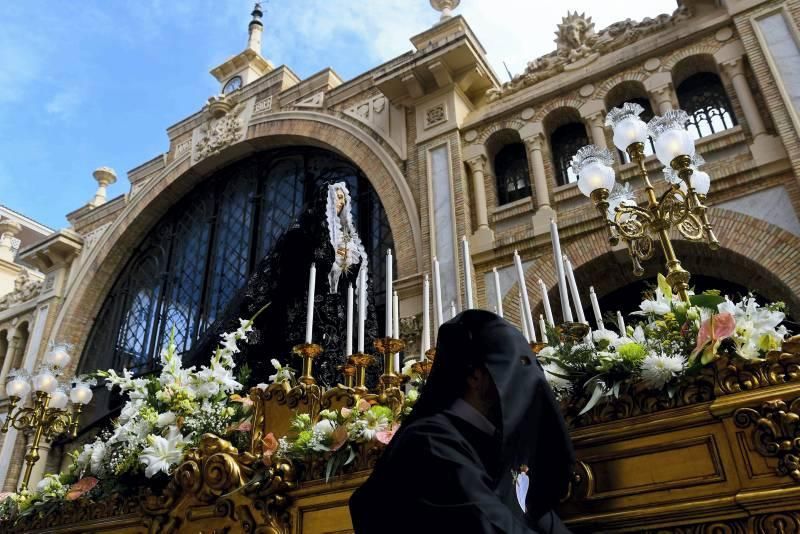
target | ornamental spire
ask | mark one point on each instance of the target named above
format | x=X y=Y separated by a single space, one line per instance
x=255 y=29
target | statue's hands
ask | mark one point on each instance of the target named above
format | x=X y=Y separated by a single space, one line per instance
x=342 y=251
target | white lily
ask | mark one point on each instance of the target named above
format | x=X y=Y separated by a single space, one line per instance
x=163 y=452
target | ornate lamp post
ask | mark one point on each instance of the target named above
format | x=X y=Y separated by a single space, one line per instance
x=48 y=416
x=681 y=206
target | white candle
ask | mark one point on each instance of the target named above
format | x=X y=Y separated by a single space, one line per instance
x=543 y=329
x=452 y=309
x=349 y=346
x=312 y=280
x=498 y=294
x=467 y=273
x=523 y=321
x=389 y=324
x=573 y=289
x=395 y=316
x=362 y=308
x=548 y=311
x=437 y=293
x=566 y=312
x=525 y=305
x=426 y=319
x=598 y=317
x=621 y=324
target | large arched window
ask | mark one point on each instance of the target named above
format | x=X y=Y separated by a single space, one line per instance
x=511 y=171
x=703 y=97
x=184 y=273
x=564 y=143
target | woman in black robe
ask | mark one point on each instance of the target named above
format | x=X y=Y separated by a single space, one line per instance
x=281 y=280
x=456 y=464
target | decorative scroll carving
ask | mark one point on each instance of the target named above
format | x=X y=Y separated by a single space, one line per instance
x=25 y=289
x=776 y=433
x=773 y=523
x=577 y=42
x=435 y=115
x=222 y=128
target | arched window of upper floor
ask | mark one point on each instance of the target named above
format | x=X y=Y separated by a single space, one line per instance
x=703 y=97
x=511 y=171
x=565 y=141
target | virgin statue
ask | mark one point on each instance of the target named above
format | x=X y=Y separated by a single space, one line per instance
x=324 y=234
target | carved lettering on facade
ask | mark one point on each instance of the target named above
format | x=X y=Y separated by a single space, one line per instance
x=183 y=147
x=264 y=105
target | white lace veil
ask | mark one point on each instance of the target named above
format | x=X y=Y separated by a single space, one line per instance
x=342 y=234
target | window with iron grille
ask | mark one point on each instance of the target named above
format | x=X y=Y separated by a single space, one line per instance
x=511 y=171
x=564 y=143
x=190 y=265
x=703 y=97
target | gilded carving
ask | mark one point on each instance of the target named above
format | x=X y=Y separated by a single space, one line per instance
x=776 y=433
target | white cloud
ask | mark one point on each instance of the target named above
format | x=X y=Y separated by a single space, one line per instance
x=63 y=104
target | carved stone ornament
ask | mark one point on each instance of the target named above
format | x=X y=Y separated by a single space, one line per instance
x=25 y=289
x=776 y=433
x=577 y=41
x=219 y=131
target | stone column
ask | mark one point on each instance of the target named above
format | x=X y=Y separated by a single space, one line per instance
x=477 y=166
x=595 y=122
x=734 y=68
x=659 y=86
x=8 y=229
x=534 y=145
x=11 y=352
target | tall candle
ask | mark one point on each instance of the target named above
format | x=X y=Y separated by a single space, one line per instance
x=426 y=320
x=349 y=346
x=621 y=324
x=362 y=308
x=525 y=308
x=543 y=328
x=548 y=311
x=573 y=289
x=312 y=280
x=389 y=324
x=437 y=294
x=522 y=320
x=395 y=316
x=452 y=309
x=598 y=317
x=566 y=312
x=467 y=274
x=498 y=294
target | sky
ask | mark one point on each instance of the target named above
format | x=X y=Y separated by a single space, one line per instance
x=92 y=83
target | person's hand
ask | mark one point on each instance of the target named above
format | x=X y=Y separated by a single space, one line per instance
x=341 y=251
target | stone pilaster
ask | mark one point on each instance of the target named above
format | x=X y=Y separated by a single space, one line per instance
x=483 y=237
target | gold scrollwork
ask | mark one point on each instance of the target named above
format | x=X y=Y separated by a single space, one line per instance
x=776 y=433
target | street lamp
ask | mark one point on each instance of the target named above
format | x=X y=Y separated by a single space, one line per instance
x=681 y=206
x=48 y=416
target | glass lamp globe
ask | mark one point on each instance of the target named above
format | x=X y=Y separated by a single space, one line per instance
x=45 y=381
x=81 y=393
x=18 y=387
x=628 y=127
x=595 y=176
x=670 y=135
x=59 y=356
x=58 y=399
x=701 y=182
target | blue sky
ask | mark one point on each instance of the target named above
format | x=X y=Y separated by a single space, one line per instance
x=97 y=82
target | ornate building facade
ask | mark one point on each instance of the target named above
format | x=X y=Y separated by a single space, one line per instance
x=437 y=147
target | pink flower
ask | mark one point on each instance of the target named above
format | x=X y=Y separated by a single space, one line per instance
x=81 y=487
x=245 y=426
x=363 y=405
x=346 y=412
x=269 y=446
x=385 y=436
x=711 y=333
x=339 y=438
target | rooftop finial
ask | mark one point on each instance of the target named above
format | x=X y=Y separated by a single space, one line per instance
x=445 y=7
x=255 y=29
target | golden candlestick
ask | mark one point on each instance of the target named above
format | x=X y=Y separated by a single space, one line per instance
x=572 y=331
x=388 y=347
x=349 y=373
x=307 y=351
x=44 y=421
x=360 y=362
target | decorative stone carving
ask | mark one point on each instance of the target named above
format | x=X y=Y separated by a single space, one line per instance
x=435 y=115
x=263 y=105
x=776 y=433
x=91 y=238
x=576 y=41
x=383 y=117
x=25 y=289
x=183 y=147
x=314 y=101
x=219 y=132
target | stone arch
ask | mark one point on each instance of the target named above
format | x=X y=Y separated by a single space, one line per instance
x=621 y=78
x=99 y=270
x=754 y=253
x=505 y=124
x=699 y=49
x=553 y=105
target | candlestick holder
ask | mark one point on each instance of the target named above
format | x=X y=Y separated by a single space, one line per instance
x=537 y=346
x=360 y=362
x=307 y=351
x=572 y=331
x=349 y=373
x=388 y=347
x=422 y=368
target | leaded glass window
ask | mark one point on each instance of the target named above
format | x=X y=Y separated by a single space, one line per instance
x=511 y=171
x=190 y=265
x=564 y=143
x=703 y=97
